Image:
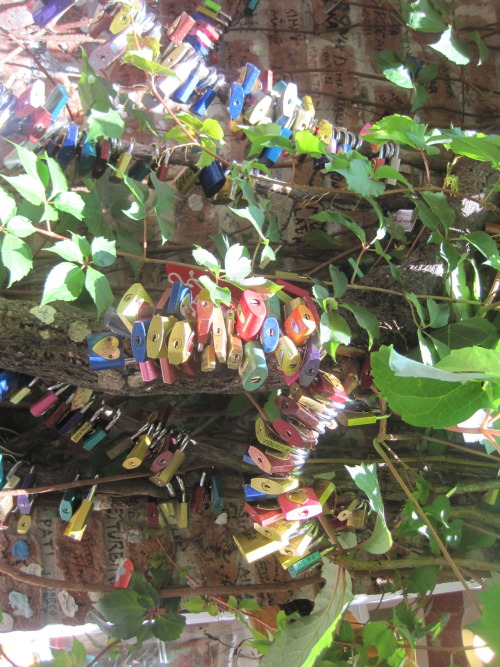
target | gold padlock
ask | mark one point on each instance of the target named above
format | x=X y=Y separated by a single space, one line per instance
x=135 y=304
x=274 y=486
x=180 y=342
x=208 y=360
x=279 y=531
x=285 y=561
x=287 y=356
x=234 y=353
x=325 y=131
x=266 y=436
x=185 y=180
x=24 y=524
x=253 y=545
x=157 y=339
x=357 y=519
x=219 y=334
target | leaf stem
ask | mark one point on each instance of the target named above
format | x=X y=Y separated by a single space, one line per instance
x=107 y=648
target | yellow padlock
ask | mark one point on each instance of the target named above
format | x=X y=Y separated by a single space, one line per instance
x=180 y=342
x=325 y=131
x=274 y=486
x=234 y=352
x=253 y=545
x=208 y=359
x=136 y=304
x=24 y=524
x=287 y=356
x=158 y=333
x=279 y=531
x=138 y=453
x=266 y=436
x=219 y=334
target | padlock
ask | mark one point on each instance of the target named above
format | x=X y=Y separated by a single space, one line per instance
x=157 y=336
x=287 y=356
x=267 y=437
x=177 y=30
x=252 y=494
x=208 y=359
x=50 y=398
x=78 y=522
x=84 y=428
x=169 y=372
x=253 y=545
x=68 y=148
x=270 y=156
x=250 y=315
x=123 y=164
x=186 y=61
x=137 y=455
x=311 y=362
x=357 y=519
x=265 y=512
x=303 y=397
x=279 y=531
x=187 y=88
x=106 y=54
x=150 y=370
x=219 y=334
x=36 y=124
x=174 y=54
x=185 y=180
x=324 y=131
x=163 y=477
x=253 y=370
x=291 y=408
x=287 y=561
x=136 y=304
x=48 y=11
x=236 y=99
x=32 y=98
x=212 y=179
x=74 y=419
x=395 y=163
x=103 y=155
x=299 y=546
x=140 y=169
x=379 y=160
x=25 y=501
x=20 y=394
x=200 y=106
x=307 y=562
x=355 y=418
x=272 y=463
x=299 y=325
x=291 y=305
x=270 y=335
x=328 y=387
x=105 y=352
x=261 y=111
x=164 y=456
x=192 y=367
x=59 y=412
x=122 y=19
x=164 y=299
x=274 y=486
x=152 y=513
x=24 y=524
x=299 y=504
x=180 y=342
x=100 y=433
x=217 y=500
x=87 y=156
x=182 y=513
x=198 y=495
x=326 y=494
x=234 y=352
x=13 y=482
x=56 y=101
x=273 y=307
x=138 y=339
x=294 y=434
x=70 y=500
x=204 y=314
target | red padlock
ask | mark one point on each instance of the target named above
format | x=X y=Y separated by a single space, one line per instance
x=300 y=324
x=266 y=513
x=164 y=299
x=164 y=457
x=291 y=408
x=300 y=504
x=180 y=28
x=272 y=463
x=204 y=314
x=191 y=367
x=169 y=372
x=152 y=514
x=32 y=98
x=296 y=436
x=328 y=387
x=37 y=124
x=250 y=315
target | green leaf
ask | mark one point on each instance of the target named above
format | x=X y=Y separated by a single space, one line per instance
x=438 y=204
x=378 y=634
x=320 y=239
x=29 y=188
x=389 y=172
x=206 y=259
x=64 y=283
x=218 y=294
x=7 y=206
x=320 y=293
x=148 y=595
x=57 y=177
x=237 y=406
x=17 y=257
x=127 y=243
x=482 y=242
x=471 y=359
x=341 y=219
x=380 y=540
x=333 y=327
x=249 y=604
x=451 y=48
x=62 y=657
x=69 y=250
x=304 y=640
x=93 y=88
x=439 y=313
x=389 y=63
x=20 y=226
x=481 y=45
x=426 y=215
x=424 y=401
x=148 y=66
x=70 y=202
x=103 y=251
x=476 y=148
x=421 y=15
x=467 y=333
x=97 y=285
x=79 y=653
x=120 y=606
x=195 y=603
x=162 y=205
x=428 y=73
x=339 y=281
x=267 y=254
x=360 y=178
x=307 y=142
x=237 y=263
x=487 y=626
x=212 y=128
x=104 y=122
x=418 y=307
x=255 y=215
x=420 y=99
x=422 y=579
x=205 y=158
x=366 y=320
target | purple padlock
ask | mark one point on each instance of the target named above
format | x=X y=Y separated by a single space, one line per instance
x=310 y=362
x=25 y=501
x=44 y=14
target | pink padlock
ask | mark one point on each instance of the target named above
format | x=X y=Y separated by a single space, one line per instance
x=149 y=370
x=169 y=372
x=300 y=504
x=270 y=462
x=49 y=399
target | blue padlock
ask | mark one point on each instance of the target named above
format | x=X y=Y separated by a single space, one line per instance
x=68 y=149
x=236 y=99
x=346 y=146
x=56 y=101
x=184 y=92
x=310 y=362
x=21 y=550
x=201 y=105
x=248 y=459
x=212 y=178
x=138 y=339
x=251 y=75
x=88 y=157
x=105 y=352
x=253 y=494
x=273 y=154
x=270 y=335
x=179 y=303
x=196 y=44
x=8 y=382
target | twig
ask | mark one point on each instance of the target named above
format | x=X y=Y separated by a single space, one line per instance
x=4 y=655
x=72 y=484
x=107 y=648
x=257 y=406
x=481 y=530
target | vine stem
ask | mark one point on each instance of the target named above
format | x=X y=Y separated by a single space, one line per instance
x=419 y=648
x=429 y=525
x=481 y=530
x=257 y=406
x=73 y=484
x=107 y=648
x=4 y=655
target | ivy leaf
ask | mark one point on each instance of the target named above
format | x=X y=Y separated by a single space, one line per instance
x=389 y=172
x=103 y=251
x=120 y=606
x=212 y=128
x=31 y=189
x=70 y=202
x=249 y=604
x=97 y=285
x=438 y=204
x=379 y=635
x=64 y=283
x=365 y=478
x=428 y=73
x=333 y=327
x=366 y=320
x=476 y=148
x=168 y=627
x=104 y=122
x=57 y=177
x=305 y=639
x=147 y=65
x=17 y=257
x=467 y=333
x=482 y=242
x=148 y=595
x=205 y=258
x=218 y=294
x=7 y=206
x=307 y=142
x=439 y=313
x=451 y=48
x=487 y=626
x=205 y=158
x=424 y=401
x=420 y=99
x=20 y=226
x=162 y=205
x=93 y=88
x=79 y=653
x=422 y=579
x=421 y=15
x=359 y=176
x=267 y=254
x=389 y=63
x=195 y=603
x=471 y=359
x=69 y=250
x=341 y=219
x=237 y=263
x=481 y=45
x=339 y=281
x=255 y=215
